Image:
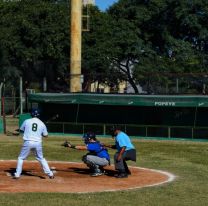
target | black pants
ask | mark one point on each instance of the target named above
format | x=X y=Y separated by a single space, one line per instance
x=121 y=165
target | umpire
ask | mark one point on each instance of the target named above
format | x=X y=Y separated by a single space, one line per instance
x=125 y=151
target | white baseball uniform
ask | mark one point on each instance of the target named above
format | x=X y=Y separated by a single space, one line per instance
x=34 y=129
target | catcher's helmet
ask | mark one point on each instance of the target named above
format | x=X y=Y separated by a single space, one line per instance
x=89 y=136
x=35 y=112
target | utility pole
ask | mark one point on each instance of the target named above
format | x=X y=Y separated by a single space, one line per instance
x=3 y=107
x=20 y=93
x=76 y=42
x=1 y=86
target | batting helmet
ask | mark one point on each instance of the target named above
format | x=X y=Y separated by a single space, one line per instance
x=35 y=112
x=89 y=136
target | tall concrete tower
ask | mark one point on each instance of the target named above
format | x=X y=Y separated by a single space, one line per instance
x=76 y=41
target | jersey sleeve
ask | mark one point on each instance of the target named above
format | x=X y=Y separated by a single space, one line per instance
x=121 y=139
x=93 y=147
x=45 y=132
x=22 y=127
x=122 y=143
x=90 y=147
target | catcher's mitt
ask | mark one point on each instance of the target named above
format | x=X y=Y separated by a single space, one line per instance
x=66 y=144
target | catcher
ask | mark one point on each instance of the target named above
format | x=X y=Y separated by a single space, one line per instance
x=96 y=158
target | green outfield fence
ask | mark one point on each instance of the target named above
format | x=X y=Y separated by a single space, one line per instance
x=166 y=116
x=144 y=131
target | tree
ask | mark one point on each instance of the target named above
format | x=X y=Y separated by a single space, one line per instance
x=172 y=33
x=95 y=62
x=139 y=41
x=110 y=49
x=35 y=36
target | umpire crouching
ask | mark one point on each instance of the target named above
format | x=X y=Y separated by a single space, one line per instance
x=125 y=151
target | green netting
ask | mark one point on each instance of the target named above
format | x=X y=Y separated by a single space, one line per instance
x=128 y=100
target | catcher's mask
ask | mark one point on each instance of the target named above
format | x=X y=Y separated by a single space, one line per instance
x=35 y=112
x=89 y=136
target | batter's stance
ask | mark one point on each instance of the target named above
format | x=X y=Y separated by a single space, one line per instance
x=34 y=129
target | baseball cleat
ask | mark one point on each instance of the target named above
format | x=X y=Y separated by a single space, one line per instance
x=14 y=176
x=96 y=174
x=121 y=175
x=51 y=177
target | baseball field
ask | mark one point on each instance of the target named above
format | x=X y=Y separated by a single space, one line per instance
x=187 y=160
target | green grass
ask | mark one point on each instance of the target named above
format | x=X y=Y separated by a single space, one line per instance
x=187 y=160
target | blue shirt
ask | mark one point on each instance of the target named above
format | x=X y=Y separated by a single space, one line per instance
x=123 y=140
x=98 y=149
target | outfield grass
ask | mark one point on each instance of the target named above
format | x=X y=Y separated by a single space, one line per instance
x=187 y=160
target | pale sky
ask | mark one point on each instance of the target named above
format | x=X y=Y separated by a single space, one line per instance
x=104 y=4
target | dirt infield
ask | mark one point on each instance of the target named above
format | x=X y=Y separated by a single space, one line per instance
x=75 y=178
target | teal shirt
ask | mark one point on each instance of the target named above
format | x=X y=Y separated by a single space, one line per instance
x=123 y=140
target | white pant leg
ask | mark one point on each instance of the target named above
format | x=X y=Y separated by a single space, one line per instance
x=42 y=160
x=25 y=151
